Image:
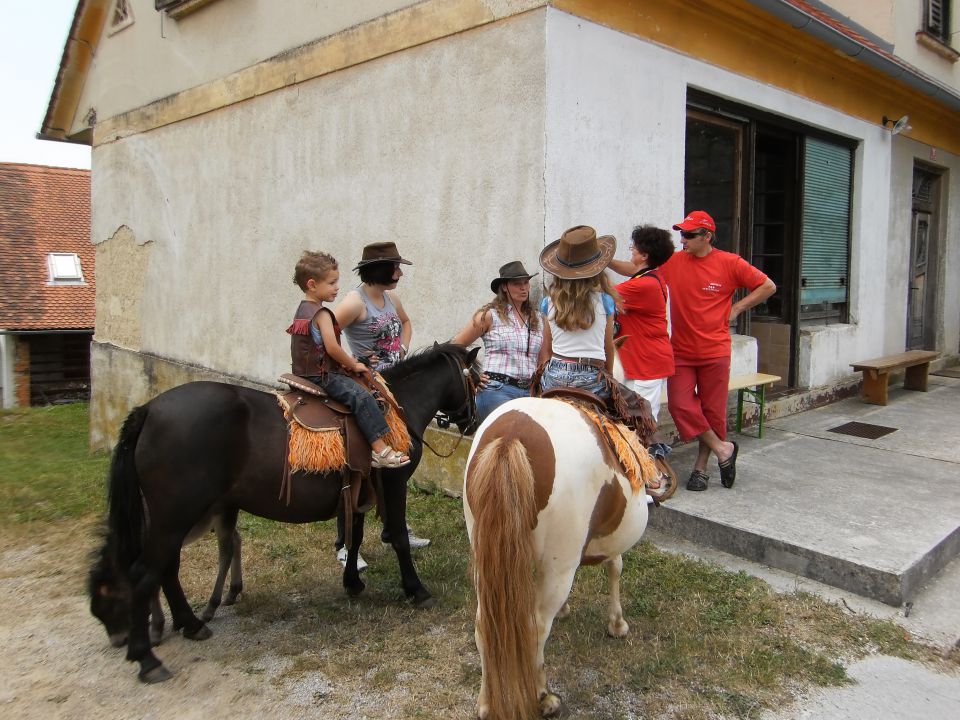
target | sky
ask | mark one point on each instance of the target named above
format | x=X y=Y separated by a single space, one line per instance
x=32 y=36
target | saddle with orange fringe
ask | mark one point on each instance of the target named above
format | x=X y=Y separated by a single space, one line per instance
x=323 y=436
x=623 y=441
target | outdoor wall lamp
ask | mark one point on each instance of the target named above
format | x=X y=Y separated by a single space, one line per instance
x=899 y=126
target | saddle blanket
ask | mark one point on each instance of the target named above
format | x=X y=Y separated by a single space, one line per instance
x=318 y=448
x=637 y=464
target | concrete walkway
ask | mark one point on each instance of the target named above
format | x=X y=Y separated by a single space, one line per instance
x=872 y=524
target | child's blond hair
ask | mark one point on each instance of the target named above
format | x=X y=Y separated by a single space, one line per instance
x=572 y=305
x=312 y=265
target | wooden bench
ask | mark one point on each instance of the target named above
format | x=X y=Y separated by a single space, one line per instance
x=876 y=373
x=752 y=387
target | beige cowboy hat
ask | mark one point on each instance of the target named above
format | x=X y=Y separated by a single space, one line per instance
x=578 y=254
x=511 y=271
x=381 y=252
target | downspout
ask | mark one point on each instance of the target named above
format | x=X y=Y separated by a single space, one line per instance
x=815 y=27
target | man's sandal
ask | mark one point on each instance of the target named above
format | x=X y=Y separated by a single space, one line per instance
x=698 y=481
x=388 y=458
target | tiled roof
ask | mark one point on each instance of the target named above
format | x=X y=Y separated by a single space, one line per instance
x=44 y=210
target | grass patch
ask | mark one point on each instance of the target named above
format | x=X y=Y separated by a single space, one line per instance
x=47 y=472
x=703 y=641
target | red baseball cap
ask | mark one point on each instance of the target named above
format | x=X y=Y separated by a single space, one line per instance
x=697 y=220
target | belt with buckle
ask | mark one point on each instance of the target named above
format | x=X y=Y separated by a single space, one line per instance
x=507 y=380
x=581 y=361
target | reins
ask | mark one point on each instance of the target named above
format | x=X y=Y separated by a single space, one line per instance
x=468 y=407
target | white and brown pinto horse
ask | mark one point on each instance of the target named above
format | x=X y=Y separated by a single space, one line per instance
x=543 y=495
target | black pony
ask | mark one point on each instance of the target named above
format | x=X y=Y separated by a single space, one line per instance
x=201 y=452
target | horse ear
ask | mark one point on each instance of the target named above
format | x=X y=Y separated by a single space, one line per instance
x=472 y=355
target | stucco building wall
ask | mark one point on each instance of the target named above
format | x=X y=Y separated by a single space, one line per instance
x=438 y=148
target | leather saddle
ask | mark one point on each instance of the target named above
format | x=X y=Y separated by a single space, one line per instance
x=310 y=406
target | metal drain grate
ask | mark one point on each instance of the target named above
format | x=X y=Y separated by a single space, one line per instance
x=863 y=430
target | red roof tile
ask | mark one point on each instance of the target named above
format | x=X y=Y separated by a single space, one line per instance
x=44 y=210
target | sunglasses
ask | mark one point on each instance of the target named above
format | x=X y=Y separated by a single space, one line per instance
x=688 y=234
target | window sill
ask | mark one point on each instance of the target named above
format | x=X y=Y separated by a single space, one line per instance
x=937 y=46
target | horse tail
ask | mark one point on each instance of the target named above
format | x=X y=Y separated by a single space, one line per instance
x=500 y=490
x=126 y=519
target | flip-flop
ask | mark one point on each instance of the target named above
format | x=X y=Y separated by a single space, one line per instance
x=728 y=468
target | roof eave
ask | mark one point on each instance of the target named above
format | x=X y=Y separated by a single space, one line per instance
x=78 y=53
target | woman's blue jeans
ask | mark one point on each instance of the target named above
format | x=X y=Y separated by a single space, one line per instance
x=559 y=373
x=494 y=395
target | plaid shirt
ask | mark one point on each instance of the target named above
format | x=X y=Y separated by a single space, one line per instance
x=505 y=346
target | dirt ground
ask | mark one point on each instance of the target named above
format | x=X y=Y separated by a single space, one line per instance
x=56 y=661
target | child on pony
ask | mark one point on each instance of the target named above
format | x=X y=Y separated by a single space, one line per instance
x=578 y=313
x=317 y=355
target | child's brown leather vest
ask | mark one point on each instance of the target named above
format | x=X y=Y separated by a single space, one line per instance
x=308 y=358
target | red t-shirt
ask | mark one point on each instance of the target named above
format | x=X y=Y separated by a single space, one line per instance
x=701 y=294
x=647 y=354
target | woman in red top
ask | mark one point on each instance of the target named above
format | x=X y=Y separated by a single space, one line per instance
x=646 y=354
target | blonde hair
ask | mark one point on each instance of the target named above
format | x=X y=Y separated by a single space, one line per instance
x=312 y=265
x=572 y=304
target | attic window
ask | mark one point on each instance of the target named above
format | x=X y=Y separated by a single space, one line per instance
x=65 y=269
x=120 y=17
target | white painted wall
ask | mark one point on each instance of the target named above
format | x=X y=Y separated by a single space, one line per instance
x=438 y=148
x=615 y=156
x=156 y=56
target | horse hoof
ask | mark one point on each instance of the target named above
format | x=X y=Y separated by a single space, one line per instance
x=355 y=590
x=550 y=705
x=618 y=629
x=155 y=675
x=201 y=633
x=425 y=603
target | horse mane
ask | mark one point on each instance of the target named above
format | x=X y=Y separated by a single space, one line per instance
x=422 y=358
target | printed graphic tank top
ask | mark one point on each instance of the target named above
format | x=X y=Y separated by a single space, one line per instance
x=378 y=333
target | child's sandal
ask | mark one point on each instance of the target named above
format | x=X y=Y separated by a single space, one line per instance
x=388 y=458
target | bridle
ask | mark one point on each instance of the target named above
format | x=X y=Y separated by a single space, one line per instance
x=466 y=414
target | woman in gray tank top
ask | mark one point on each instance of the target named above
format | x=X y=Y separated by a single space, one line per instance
x=371 y=315
x=378 y=330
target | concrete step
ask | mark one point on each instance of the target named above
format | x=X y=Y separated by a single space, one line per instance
x=876 y=517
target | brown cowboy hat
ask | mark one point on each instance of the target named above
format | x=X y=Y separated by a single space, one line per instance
x=381 y=252
x=579 y=253
x=511 y=271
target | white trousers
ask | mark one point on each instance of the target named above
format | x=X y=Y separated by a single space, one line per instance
x=649 y=390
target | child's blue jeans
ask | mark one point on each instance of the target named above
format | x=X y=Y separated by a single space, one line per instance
x=361 y=403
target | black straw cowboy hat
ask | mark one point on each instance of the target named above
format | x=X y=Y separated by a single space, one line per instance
x=511 y=271
x=381 y=252
x=579 y=253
